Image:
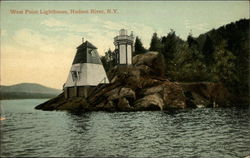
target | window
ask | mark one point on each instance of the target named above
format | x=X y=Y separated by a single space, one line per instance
x=74 y=75
x=93 y=52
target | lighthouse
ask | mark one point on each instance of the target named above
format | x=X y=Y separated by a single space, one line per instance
x=124 y=47
x=85 y=73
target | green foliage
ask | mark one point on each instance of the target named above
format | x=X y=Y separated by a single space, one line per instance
x=192 y=43
x=187 y=65
x=108 y=60
x=139 y=49
x=169 y=43
x=155 y=44
x=237 y=36
x=224 y=69
x=208 y=50
x=220 y=55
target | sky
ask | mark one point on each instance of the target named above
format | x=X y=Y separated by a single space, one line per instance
x=39 y=48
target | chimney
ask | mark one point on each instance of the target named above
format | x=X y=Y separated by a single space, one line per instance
x=82 y=40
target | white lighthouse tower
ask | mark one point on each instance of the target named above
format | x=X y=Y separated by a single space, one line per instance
x=124 y=47
x=86 y=72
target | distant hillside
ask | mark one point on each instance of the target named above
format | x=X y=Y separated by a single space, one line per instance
x=236 y=36
x=235 y=33
x=27 y=90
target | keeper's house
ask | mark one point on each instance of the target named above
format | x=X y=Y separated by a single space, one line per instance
x=86 y=72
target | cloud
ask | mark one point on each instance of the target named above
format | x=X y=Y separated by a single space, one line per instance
x=39 y=56
x=35 y=57
x=201 y=26
x=187 y=24
x=53 y=22
x=29 y=64
x=33 y=40
x=139 y=29
x=101 y=32
x=58 y=25
x=196 y=27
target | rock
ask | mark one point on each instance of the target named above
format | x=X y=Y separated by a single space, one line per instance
x=207 y=94
x=123 y=105
x=153 y=62
x=125 y=75
x=148 y=82
x=143 y=86
x=150 y=102
x=60 y=103
x=152 y=90
x=116 y=98
x=195 y=100
x=52 y=104
x=74 y=105
x=173 y=96
x=97 y=95
x=109 y=106
x=119 y=93
x=144 y=70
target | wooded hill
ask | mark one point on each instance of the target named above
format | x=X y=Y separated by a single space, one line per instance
x=219 y=55
x=27 y=91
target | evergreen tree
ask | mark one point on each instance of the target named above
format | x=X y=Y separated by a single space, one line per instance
x=224 y=69
x=188 y=65
x=192 y=43
x=155 y=44
x=108 y=60
x=170 y=44
x=237 y=36
x=208 y=49
x=139 y=49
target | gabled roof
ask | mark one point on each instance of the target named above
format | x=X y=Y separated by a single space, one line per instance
x=86 y=44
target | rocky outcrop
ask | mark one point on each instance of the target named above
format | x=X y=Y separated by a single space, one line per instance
x=150 y=102
x=206 y=94
x=142 y=86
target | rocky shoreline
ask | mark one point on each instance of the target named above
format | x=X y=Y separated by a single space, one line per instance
x=141 y=87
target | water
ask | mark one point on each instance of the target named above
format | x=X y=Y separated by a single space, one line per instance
x=184 y=133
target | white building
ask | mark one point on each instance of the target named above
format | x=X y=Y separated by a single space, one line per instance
x=86 y=72
x=124 y=47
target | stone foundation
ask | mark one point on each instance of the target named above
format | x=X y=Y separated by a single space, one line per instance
x=78 y=91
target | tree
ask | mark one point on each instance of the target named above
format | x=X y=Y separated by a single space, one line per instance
x=224 y=69
x=208 y=49
x=170 y=44
x=155 y=44
x=108 y=60
x=188 y=65
x=192 y=43
x=139 y=49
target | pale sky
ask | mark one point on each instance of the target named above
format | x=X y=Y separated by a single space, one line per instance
x=39 y=48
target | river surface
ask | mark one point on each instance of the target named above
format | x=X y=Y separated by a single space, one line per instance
x=184 y=133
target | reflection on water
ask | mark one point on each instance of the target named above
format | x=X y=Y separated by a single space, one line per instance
x=183 y=133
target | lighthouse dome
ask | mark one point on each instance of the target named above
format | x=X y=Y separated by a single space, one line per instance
x=123 y=32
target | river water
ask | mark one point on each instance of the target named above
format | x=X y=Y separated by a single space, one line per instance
x=184 y=133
